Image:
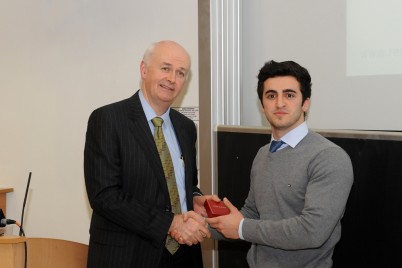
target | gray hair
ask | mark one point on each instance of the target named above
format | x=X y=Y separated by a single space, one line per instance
x=150 y=50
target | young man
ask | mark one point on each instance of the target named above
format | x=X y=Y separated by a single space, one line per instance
x=299 y=189
x=128 y=180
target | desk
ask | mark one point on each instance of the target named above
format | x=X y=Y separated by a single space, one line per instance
x=12 y=251
x=3 y=199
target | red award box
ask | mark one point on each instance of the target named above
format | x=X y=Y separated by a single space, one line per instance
x=215 y=209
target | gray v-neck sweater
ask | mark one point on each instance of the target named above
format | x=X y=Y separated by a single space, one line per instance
x=296 y=201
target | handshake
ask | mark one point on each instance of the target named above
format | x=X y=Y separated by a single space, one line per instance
x=192 y=227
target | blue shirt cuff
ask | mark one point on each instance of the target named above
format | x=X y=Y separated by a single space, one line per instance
x=240 y=229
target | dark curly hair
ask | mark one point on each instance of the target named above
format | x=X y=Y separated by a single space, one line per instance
x=285 y=68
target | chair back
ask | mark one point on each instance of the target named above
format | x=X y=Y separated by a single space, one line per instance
x=51 y=253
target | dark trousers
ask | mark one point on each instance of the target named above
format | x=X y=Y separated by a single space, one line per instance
x=185 y=257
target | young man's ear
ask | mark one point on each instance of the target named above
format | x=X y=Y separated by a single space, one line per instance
x=306 y=105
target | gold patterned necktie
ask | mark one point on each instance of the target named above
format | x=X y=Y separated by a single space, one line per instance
x=171 y=245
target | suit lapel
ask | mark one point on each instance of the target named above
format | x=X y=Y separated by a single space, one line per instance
x=140 y=130
x=179 y=131
x=182 y=139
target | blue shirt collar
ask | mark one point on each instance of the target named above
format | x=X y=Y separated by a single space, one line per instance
x=149 y=112
x=293 y=137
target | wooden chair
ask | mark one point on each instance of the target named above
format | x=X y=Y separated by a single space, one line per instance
x=12 y=251
x=56 y=253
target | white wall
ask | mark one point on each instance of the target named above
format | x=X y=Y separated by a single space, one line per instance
x=59 y=60
x=352 y=49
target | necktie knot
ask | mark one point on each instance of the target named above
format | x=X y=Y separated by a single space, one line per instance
x=157 y=121
x=275 y=145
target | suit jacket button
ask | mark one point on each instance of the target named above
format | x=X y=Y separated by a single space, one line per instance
x=167 y=208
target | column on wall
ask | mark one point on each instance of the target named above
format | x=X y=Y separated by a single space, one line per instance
x=225 y=61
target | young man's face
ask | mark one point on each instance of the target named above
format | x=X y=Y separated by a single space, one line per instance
x=282 y=104
x=164 y=75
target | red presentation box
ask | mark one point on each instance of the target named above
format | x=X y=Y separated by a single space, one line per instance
x=215 y=209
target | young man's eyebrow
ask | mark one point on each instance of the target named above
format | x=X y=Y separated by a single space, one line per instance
x=288 y=90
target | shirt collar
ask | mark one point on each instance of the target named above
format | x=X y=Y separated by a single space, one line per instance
x=293 y=137
x=149 y=112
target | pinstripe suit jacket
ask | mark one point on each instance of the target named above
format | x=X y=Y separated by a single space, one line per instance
x=126 y=185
